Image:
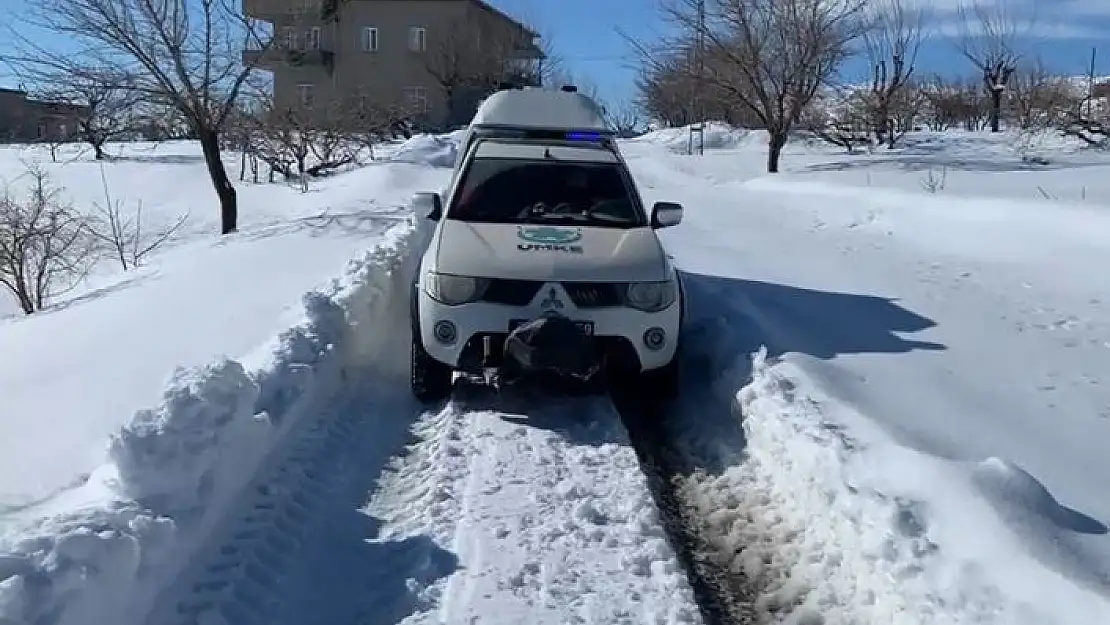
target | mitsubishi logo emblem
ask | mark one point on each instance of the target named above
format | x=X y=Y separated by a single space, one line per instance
x=552 y=301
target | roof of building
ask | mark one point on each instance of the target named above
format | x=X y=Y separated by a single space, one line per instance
x=541 y=108
x=499 y=13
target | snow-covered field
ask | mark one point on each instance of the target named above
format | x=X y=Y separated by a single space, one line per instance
x=897 y=402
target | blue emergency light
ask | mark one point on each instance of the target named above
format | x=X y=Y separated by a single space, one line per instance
x=584 y=136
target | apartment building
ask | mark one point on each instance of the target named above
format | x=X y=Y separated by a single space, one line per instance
x=417 y=55
x=24 y=119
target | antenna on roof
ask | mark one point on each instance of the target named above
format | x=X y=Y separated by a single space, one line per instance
x=569 y=88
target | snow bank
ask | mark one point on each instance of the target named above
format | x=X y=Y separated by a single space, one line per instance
x=100 y=553
x=837 y=524
x=718 y=136
x=434 y=150
x=955 y=224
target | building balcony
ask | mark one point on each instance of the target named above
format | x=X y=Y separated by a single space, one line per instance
x=528 y=52
x=277 y=56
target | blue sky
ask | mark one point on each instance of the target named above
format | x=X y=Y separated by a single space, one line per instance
x=584 y=33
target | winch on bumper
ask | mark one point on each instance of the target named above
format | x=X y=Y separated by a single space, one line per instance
x=534 y=327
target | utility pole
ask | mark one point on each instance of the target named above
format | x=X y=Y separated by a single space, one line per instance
x=699 y=83
x=1091 y=83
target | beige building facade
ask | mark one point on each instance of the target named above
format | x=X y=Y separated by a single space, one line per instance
x=433 y=59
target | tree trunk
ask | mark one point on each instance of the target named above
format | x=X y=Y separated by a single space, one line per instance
x=996 y=109
x=229 y=207
x=775 y=144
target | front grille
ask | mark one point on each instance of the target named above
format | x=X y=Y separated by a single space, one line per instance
x=593 y=294
x=511 y=292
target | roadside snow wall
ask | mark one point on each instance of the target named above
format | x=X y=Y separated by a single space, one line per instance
x=177 y=468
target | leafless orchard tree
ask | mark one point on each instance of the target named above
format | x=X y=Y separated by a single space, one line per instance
x=185 y=54
x=842 y=117
x=53 y=141
x=299 y=143
x=1042 y=99
x=954 y=103
x=774 y=55
x=122 y=235
x=989 y=35
x=108 y=112
x=663 y=91
x=891 y=43
x=45 y=245
x=468 y=67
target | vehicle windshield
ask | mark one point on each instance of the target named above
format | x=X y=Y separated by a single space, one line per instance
x=514 y=191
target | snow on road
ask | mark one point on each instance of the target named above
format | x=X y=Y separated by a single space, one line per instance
x=547 y=512
x=924 y=442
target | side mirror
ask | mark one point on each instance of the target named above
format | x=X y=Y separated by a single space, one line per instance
x=429 y=205
x=666 y=214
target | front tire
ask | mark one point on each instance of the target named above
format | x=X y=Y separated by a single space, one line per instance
x=430 y=378
x=663 y=384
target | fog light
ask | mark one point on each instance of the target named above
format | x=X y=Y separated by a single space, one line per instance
x=445 y=332
x=654 y=338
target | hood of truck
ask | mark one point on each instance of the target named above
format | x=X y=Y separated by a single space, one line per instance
x=544 y=252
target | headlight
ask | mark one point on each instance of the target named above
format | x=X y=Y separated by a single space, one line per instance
x=454 y=290
x=650 y=296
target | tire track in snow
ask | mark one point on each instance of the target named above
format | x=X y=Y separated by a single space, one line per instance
x=724 y=596
x=238 y=576
x=548 y=515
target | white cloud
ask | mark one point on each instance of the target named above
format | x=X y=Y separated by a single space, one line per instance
x=1090 y=8
x=1038 y=29
x=1042 y=8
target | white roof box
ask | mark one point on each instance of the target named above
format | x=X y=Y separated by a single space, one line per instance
x=541 y=109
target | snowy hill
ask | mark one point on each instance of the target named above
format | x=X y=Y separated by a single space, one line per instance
x=895 y=408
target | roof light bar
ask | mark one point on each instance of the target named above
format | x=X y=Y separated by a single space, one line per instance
x=584 y=136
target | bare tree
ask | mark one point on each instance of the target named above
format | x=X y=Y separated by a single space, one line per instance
x=182 y=53
x=954 y=103
x=45 y=247
x=122 y=235
x=104 y=112
x=300 y=144
x=842 y=118
x=469 y=66
x=989 y=41
x=774 y=55
x=1042 y=99
x=110 y=113
x=53 y=141
x=664 y=86
x=891 y=43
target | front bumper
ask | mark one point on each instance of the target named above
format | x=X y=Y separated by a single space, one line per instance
x=618 y=336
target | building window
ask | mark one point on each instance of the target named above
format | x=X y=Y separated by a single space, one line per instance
x=416 y=99
x=312 y=38
x=307 y=97
x=289 y=39
x=369 y=39
x=418 y=39
x=42 y=130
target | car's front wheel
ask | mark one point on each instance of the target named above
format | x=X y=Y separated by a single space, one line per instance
x=663 y=383
x=430 y=378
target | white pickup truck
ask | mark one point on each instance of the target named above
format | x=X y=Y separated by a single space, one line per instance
x=543 y=256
